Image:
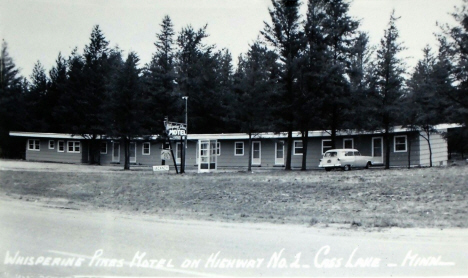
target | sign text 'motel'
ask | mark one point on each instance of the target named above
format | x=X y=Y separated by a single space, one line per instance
x=176 y=129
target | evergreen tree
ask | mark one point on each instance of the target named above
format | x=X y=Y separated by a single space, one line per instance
x=124 y=106
x=159 y=79
x=340 y=31
x=454 y=43
x=360 y=76
x=11 y=104
x=312 y=75
x=253 y=87
x=387 y=85
x=286 y=37
x=58 y=82
x=425 y=108
x=196 y=67
x=36 y=100
x=89 y=78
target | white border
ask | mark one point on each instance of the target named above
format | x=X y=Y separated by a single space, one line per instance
x=325 y=140
x=143 y=148
x=74 y=142
x=394 y=143
x=235 y=153
x=348 y=139
x=294 y=147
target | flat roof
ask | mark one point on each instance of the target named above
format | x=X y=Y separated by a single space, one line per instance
x=233 y=136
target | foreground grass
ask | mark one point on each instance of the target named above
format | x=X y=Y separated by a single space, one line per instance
x=434 y=197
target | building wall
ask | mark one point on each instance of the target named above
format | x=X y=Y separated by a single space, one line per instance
x=400 y=159
x=227 y=158
x=52 y=155
x=154 y=157
x=439 y=148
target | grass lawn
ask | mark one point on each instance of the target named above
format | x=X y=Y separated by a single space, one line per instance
x=425 y=197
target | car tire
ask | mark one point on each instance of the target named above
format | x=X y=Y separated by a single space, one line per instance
x=328 y=169
x=368 y=165
x=347 y=168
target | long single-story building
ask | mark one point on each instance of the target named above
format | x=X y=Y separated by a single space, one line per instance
x=231 y=150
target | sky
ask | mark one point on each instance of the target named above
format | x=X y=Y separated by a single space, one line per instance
x=37 y=30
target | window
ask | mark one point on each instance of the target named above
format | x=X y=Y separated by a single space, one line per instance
x=103 y=147
x=348 y=143
x=218 y=148
x=73 y=146
x=178 y=152
x=61 y=146
x=298 y=148
x=326 y=145
x=34 y=145
x=238 y=148
x=146 y=148
x=349 y=154
x=51 y=144
x=400 y=143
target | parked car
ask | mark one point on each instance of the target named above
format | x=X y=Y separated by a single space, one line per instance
x=344 y=159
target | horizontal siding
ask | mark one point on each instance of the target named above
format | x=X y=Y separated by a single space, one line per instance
x=52 y=155
x=439 y=150
x=154 y=158
x=400 y=159
x=419 y=152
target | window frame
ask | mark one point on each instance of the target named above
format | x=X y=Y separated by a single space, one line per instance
x=235 y=148
x=53 y=145
x=395 y=143
x=294 y=147
x=100 y=149
x=63 y=146
x=143 y=148
x=178 y=150
x=74 y=143
x=36 y=145
x=348 y=139
x=328 y=148
x=218 y=148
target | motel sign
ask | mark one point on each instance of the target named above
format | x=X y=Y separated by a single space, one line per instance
x=176 y=129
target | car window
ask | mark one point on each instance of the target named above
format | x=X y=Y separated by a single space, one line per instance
x=357 y=153
x=349 y=154
x=330 y=154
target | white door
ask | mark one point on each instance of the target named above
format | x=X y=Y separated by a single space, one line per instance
x=207 y=153
x=115 y=152
x=132 y=150
x=256 y=153
x=279 y=153
x=377 y=149
x=204 y=155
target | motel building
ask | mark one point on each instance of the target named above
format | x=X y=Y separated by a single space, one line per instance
x=207 y=152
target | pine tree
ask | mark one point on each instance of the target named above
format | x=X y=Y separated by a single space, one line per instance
x=11 y=104
x=254 y=86
x=159 y=79
x=312 y=80
x=90 y=94
x=286 y=37
x=124 y=106
x=424 y=107
x=196 y=66
x=387 y=87
x=36 y=100
x=58 y=82
x=340 y=32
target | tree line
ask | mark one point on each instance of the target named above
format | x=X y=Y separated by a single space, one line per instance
x=312 y=71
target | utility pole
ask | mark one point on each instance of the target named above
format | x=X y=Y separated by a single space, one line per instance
x=186 y=133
